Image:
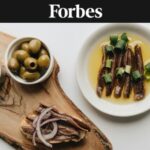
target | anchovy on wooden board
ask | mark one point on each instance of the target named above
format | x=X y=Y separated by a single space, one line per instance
x=139 y=91
x=101 y=82
x=55 y=127
x=22 y=100
x=128 y=79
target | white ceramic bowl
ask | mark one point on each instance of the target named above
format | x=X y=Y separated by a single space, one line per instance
x=113 y=109
x=10 y=49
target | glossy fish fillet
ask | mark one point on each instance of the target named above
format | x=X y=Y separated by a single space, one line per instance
x=139 y=91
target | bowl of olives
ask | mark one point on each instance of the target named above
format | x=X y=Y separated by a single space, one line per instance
x=28 y=60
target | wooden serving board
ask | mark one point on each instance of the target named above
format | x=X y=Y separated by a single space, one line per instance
x=19 y=100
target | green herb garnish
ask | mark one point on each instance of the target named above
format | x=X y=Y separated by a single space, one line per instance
x=124 y=37
x=108 y=63
x=113 y=39
x=147 y=67
x=147 y=71
x=136 y=75
x=128 y=69
x=120 y=46
x=107 y=77
x=119 y=72
x=147 y=75
x=109 y=49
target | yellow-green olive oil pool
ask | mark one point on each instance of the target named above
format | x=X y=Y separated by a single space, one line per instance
x=95 y=58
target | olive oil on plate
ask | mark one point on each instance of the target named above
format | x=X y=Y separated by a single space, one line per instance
x=95 y=60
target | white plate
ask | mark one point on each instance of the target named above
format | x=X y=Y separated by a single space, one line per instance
x=113 y=109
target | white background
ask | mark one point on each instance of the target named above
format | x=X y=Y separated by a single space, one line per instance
x=65 y=41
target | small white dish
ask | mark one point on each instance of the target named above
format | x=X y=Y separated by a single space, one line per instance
x=113 y=109
x=10 y=49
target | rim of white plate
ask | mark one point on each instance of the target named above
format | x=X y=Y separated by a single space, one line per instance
x=113 y=109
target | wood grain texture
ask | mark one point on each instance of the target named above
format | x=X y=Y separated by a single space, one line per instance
x=18 y=100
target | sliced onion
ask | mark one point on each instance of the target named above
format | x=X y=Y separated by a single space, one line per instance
x=46 y=116
x=33 y=139
x=38 y=128
x=35 y=122
x=44 y=123
x=52 y=133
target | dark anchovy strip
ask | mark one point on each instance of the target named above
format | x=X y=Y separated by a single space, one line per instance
x=139 y=91
x=128 y=79
x=101 y=82
x=70 y=129
x=109 y=87
x=121 y=62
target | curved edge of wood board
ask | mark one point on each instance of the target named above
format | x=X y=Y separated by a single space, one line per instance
x=103 y=139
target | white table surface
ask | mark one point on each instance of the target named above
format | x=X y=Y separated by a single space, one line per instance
x=65 y=41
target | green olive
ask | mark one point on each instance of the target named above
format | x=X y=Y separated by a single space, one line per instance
x=13 y=64
x=30 y=63
x=31 y=76
x=21 y=55
x=43 y=61
x=25 y=46
x=35 y=46
x=14 y=54
x=43 y=52
x=22 y=71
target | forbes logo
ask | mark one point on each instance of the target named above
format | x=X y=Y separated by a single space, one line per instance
x=75 y=12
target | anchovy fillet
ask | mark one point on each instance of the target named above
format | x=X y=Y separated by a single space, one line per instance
x=139 y=91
